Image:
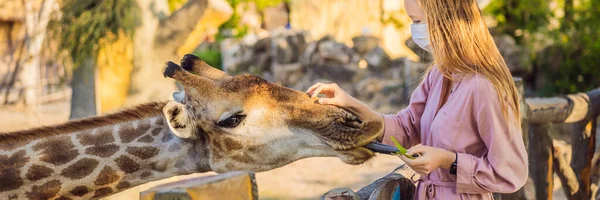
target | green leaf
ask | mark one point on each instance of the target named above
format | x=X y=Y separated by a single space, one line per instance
x=401 y=149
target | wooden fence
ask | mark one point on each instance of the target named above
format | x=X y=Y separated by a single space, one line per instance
x=579 y=176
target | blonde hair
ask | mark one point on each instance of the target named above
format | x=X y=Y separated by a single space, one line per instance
x=462 y=44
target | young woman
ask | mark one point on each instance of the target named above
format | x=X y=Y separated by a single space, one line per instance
x=465 y=113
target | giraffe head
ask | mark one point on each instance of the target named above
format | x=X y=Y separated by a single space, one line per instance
x=253 y=124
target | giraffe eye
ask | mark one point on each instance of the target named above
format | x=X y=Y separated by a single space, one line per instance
x=231 y=122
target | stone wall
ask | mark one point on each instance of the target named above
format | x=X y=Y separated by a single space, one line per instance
x=291 y=58
x=364 y=69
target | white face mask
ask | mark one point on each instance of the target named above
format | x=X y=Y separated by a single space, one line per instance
x=420 y=35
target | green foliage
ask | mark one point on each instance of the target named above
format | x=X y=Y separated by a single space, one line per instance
x=579 y=40
x=232 y=27
x=562 y=35
x=211 y=57
x=515 y=17
x=401 y=149
x=391 y=19
x=175 y=4
x=85 y=22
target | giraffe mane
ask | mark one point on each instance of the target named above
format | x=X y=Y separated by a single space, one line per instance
x=142 y=111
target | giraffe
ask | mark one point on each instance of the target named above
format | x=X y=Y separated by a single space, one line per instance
x=217 y=123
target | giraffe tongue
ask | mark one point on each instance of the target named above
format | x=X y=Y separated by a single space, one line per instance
x=381 y=148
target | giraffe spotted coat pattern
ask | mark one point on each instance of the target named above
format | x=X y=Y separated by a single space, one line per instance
x=218 y=123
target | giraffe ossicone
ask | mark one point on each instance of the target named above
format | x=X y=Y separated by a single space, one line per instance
x=219 y=123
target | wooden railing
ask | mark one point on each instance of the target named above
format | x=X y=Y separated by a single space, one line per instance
x=580 y=112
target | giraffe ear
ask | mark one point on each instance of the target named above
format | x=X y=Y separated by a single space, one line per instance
x=179 y=121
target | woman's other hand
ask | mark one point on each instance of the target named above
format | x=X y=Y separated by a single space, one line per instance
x=429 y=159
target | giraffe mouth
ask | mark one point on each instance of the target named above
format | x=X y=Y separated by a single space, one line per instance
x=347 y=132
x=350 y=120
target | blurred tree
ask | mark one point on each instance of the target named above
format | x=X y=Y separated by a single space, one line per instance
x=233 y=27
x=89 y=30
x=36 y=22
x=101 y=33
x=578 y=41
x=163 y=37
x=562 y=36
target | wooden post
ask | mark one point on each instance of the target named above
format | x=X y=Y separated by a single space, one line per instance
x=565 y=173
x=232 y=185
x=583 y=145
x=525 y=112
x=522 y=193
x=541 y=160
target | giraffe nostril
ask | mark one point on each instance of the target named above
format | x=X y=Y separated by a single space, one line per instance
x=352 y=122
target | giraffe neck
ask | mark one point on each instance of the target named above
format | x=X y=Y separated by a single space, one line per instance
x=98 y=162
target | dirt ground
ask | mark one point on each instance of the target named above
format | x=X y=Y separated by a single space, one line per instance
x=304 y=179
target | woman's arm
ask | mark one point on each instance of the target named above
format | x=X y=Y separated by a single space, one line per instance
x=504 y=168
x=405 y=126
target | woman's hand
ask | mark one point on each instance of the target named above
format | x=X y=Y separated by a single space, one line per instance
x=334 y=95
x=430 y=158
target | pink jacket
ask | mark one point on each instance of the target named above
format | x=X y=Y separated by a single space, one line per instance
x=491 y=153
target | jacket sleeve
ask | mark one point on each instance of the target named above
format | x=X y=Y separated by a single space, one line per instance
x=504 y=168
x=405 y=125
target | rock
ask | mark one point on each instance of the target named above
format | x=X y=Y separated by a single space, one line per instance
x=413 y=73
x=396 y=70
x=331 y=52
x=331 y=60
x=516 y=57
x=424 y=56
x=364 y=44
x=307 y=56
x=288 y=74
x=340 y=194
x=261 y=55
x=381 y=94
x=235 y=56
x=287 y=45
x=378 y=58
x=367 y=88
x=336 y=73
